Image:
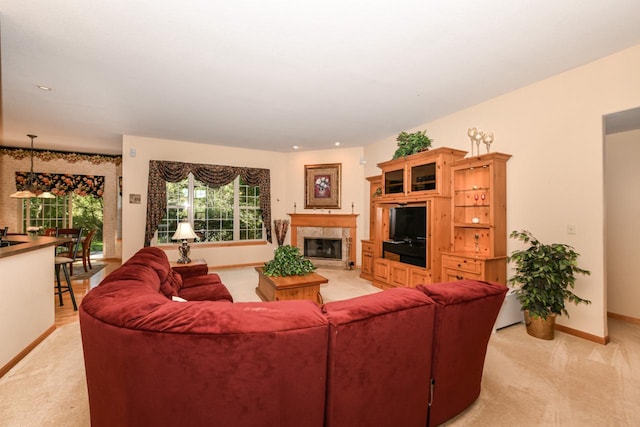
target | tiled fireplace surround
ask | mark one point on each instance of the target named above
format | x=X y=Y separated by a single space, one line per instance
x=333 y=226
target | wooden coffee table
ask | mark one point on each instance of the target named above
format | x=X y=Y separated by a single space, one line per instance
x=290 y=287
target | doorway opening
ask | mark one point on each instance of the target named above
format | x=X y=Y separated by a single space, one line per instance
x=621 y=211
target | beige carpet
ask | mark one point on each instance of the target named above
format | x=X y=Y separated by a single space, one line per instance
x=47 y=387
x=527 y=382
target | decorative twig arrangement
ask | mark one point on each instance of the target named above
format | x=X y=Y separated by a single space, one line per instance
x=280 y=228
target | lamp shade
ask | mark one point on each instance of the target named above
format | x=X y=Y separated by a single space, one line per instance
x=24 y=194
x=184 y=231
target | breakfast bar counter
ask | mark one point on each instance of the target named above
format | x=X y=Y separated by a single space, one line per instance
x=27 y=311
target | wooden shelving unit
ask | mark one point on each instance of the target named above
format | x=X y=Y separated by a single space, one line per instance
x=479 y=245
x=422 y=179
x=465 y=200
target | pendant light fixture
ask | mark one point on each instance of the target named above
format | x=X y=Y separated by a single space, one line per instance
x=31 y=186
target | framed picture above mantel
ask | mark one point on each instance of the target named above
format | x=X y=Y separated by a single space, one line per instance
x=322 y=186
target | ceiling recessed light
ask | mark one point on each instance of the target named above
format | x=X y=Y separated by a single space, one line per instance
x=41 y=87
x=295 y=147
x=337 y=143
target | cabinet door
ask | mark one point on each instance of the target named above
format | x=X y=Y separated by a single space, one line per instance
x=423 y=177
x=381 y=269
x=367 y=263
x=418 y=277
x=394 y=181
x=399 y=274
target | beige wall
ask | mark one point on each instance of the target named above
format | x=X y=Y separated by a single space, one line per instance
x=554 y=131
x=622 y=175
x=10 y=208
x=287 y=186
x=352 y=184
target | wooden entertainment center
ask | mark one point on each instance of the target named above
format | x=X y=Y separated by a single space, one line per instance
x=464 y=234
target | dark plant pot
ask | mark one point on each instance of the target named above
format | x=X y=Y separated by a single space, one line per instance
x=540 y=328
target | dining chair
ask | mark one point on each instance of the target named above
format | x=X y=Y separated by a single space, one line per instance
x=86 y=250
x=65 y=258
x=70 y=250
x=61 y=262
x=51 y=232
x=3 y=233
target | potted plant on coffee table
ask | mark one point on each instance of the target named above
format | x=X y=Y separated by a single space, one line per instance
x=288 y=261
x=289 y=275
x=545 y=274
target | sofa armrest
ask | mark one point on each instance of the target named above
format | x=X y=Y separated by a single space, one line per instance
x=191 y=270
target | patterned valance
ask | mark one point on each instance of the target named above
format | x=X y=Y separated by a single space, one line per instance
x=62 y=184
x=161 y=172
x=48 y=155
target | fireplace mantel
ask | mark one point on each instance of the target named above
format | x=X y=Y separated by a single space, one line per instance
x=329 y=221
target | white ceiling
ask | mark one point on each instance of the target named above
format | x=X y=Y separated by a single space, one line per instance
x=272 y=74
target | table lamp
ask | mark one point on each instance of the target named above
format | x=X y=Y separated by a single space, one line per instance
x=184 y=232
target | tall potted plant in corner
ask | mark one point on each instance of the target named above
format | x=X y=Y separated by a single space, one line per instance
x=545 y=274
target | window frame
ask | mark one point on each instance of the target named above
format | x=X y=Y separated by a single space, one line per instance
x=237 y=208
x=65 y=221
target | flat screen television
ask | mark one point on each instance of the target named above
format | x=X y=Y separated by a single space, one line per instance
x=408 y=223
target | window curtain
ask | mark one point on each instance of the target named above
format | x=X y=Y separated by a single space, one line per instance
x=161 y=172
x=62 y=184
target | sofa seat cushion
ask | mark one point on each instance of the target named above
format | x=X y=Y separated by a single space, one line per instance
x=210 y=292
x=379 y=359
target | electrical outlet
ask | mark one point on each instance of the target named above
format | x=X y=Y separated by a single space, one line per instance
x=571 y=229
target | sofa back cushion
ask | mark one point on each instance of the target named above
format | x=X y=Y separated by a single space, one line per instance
x=379 y=359
x=141 y=273
x=466 y=311
x=156 y=259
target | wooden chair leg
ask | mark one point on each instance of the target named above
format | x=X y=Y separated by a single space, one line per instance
x=59 y=286
x=66 y=275
x=84 y=262
x=69 y=288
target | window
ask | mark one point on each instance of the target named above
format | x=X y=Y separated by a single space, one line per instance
x=67 y=211
x=46 y=213
x=223 y=214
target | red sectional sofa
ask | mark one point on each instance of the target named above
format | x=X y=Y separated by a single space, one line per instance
x=402 y=357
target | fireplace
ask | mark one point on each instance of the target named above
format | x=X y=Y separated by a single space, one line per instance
x=337 y=230
x=321 y=247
